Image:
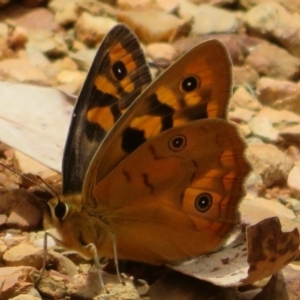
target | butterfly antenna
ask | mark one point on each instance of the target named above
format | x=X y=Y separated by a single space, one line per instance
x=48 y=188
x=45 y=186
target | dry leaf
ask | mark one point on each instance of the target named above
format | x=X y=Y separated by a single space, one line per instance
x=35 y=121
x=265 y=251
x=269 y=249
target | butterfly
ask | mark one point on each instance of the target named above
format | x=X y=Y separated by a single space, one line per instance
x=155 y=165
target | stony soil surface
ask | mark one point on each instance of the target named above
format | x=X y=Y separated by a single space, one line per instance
x=52 y=43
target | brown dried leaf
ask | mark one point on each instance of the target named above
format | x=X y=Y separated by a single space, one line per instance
x=261 y=252
x=269 y=249
x=25 y=123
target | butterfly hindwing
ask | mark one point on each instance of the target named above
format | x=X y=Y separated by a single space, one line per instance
x=176 y=191
x=117 y=76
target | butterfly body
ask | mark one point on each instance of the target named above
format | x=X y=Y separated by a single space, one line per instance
x=165 y=176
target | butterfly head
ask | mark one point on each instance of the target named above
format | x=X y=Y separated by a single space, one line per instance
x=76 y=224
x=66 y=215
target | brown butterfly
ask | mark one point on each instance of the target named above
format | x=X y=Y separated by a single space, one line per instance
x=151 y=171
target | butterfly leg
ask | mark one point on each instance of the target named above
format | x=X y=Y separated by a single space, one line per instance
x=114 y=242
x=96 y=259
x=59 y=242
x=45 y=247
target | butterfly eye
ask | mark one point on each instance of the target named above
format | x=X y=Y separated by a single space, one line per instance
x=119 y=70
x=177 y=143
x=203 y=202
x=189 y=84
x=61 y=210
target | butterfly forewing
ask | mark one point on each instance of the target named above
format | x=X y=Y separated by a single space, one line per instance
x=117 y=76
x=197 y=86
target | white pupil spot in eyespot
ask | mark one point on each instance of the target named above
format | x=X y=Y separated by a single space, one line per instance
x=190 y=84
x=203 y=202
x=119 y=70
x=177 y=143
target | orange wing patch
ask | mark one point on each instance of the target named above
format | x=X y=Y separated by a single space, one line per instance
x=101 y=116
x=153 y=125
x=103 y=84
